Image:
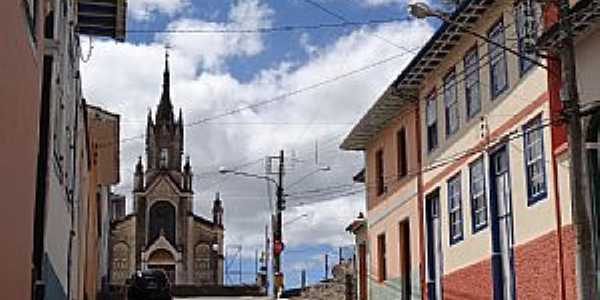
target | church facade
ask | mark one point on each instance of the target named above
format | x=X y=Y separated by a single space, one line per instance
x=163 y=231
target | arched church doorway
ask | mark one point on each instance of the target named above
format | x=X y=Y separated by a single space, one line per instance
x=162 y=219
x=164 y=260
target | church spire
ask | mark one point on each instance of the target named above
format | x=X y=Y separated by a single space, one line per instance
x=165 y=108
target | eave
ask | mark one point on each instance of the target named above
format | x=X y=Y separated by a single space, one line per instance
x=406 y=86
x=584 y=15
x=105 y=18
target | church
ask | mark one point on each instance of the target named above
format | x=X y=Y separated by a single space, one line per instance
x=163 y=231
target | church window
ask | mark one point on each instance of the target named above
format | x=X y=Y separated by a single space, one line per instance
x=164 y=158
x=162 y=221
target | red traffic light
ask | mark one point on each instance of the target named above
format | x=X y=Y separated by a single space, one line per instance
x=278 y=247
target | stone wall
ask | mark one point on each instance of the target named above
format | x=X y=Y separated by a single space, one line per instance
x=334 y=289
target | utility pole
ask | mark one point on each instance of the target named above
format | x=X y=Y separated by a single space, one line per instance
x=265 y=266
x=255 y=262
x=277 y=229
x=303 y=279
x=582 y=220
x=326 y=266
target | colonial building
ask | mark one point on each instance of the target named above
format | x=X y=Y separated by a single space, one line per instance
x=163 y=232
x=387 y=135
x=493 y=193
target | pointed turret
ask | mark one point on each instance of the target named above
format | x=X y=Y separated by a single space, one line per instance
x=138 y=177
x=187 y=175
x=150 y=121
x=164 y=114
x=218 y=210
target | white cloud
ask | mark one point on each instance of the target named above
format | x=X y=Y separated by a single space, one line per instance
x=211 y=50
x=397 y=3
x=143 y=9
x=126 y=79
x=382 y=2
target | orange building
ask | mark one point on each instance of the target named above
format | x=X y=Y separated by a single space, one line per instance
x=103 y=147
x=388 y=134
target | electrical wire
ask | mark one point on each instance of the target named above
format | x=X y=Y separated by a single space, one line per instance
x=344 y=19
x=278 y=98
x=284 y=96
x=263 y=30
x=435 y=165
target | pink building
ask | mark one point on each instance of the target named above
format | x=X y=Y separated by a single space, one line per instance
x=21 y=105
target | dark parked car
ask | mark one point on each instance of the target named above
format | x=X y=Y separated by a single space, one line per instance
x=149 y=285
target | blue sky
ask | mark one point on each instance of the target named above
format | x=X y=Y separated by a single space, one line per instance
x=215 y=73
x=282 y=46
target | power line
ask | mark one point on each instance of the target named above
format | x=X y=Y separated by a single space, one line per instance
x=263 y=30
x=283 y=96
x=344 y=19
x=436 y=164
x=278 y=98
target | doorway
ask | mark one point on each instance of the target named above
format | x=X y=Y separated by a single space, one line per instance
x=168 y=269
x=501 y=225
x=434 y=246
x=405 y=270
x=362 y=271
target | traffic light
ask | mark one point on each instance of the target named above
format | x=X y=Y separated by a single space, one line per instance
x=278 y=247
x=281 y=204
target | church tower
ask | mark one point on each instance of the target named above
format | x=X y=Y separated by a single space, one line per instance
x=164 y=232
x=164 y=135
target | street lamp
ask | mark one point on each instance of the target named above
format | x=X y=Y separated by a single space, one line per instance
x=324 y=168
x=421 y=10
x=224 y=171
x=277 y=219
x=304 y=215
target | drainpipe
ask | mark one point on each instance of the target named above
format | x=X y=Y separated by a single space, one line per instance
x=556 y=132
x=554 y=91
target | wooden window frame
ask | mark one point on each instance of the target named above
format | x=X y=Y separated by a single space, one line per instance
x=451 y=103
x=497 y=57
x=540 y=160
x=431 y=120
x=379 y=172
x=381 y=258
x=455 y=217
x=478 y=197
x=521 y=30
x=472 y=81
x=402 y=157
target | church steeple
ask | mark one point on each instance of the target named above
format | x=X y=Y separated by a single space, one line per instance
x=165 y=107
x=164 y=135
